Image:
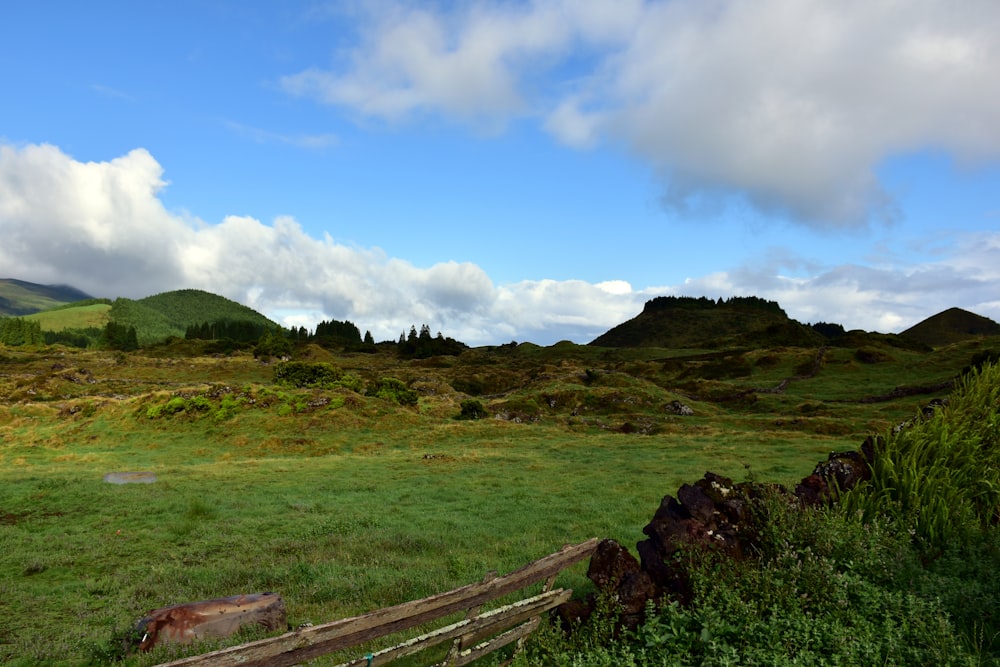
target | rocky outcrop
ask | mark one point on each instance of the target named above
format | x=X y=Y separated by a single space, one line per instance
x=712 y=514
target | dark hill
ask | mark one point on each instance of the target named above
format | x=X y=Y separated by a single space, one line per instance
x=18 y=297
x=686 y=322
x=951 y=326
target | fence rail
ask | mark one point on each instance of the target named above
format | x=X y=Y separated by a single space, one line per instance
x=473 y=637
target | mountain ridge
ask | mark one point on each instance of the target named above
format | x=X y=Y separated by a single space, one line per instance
x=20 y=297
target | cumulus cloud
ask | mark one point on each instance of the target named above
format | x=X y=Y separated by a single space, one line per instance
x=101 y=227
x=789 y=106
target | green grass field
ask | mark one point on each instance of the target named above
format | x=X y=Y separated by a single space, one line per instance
x=345 y=503
x=78 y=317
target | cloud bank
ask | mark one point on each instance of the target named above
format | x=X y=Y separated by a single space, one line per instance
x=789 y=106
x=101 y=227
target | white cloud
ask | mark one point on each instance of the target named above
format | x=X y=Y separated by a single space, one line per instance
x=101 y=227
x=788 y=105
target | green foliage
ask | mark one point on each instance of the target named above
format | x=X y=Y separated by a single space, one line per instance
x=821 y=589
x=16 y=331
x=307 y=374
x=272 y=344
x=941 y=475
x=423 y=345
x=334 y=331
x=472 y=409
x=170 y=314
x=82 y=338
x=391 y=389
x=119 y=337
x=240 y=331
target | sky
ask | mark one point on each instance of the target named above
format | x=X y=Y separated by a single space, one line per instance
x=506 y=170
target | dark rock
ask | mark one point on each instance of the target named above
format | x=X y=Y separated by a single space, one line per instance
x=635 y=590
x=610 y=564
x=698 y=504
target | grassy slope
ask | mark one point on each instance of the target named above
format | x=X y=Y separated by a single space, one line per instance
x=344 y=503
x=155 y=318
x=18 y=297
x=78 y=317
x=951 y=326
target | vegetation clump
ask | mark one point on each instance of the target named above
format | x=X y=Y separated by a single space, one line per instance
x=472 y=409
x=392 y=389
x=307 y=374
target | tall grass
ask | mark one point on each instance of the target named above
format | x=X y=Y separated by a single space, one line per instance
x=941 y=475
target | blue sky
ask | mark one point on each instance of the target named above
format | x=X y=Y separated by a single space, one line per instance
x=507 y=170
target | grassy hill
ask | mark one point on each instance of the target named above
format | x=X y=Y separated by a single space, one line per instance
x=951 y=326
x=18 y=297
x=87 y=314
x=155 y=318
x=684 y=322
x=161 y=316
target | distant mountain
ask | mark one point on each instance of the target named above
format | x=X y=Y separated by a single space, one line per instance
x=686 y=322
x=951 y=326
x=18 y=297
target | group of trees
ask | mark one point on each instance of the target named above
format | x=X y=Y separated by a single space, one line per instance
x=422 y=345
x=119 y=337
x=16 y=331
x=19 y=331
x=665 y=302
x=240 y=331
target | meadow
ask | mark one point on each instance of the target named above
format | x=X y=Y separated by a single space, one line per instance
x=345 y=502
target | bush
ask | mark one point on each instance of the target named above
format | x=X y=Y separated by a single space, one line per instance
x=391 y=389
x=307 y=374
x=472 y=409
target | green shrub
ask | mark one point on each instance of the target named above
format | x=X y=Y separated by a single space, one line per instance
x=472 y=409
x=307 y=374
x=394 y=390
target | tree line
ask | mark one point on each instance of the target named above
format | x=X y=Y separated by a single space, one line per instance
x=268 y=341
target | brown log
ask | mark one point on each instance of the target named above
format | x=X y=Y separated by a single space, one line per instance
x=222 y=617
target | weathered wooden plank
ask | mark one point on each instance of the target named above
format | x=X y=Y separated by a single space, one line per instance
x=487 y=624
x=496 y=643
x=312 y=642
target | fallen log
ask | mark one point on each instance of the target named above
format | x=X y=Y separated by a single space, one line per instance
x=219 y=618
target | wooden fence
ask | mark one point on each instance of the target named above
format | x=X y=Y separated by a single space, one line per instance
x=478 y=634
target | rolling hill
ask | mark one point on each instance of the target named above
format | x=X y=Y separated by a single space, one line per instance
x=18 y=297
x=155 y=318
x=951 y=326
x=161 y=316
